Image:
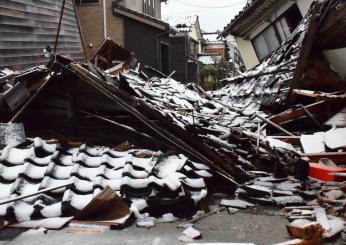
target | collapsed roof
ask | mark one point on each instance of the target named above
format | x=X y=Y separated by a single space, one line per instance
x=212 y=133
x=181 y=140
x=253 y=13
x=146 y=179
x=272 y=83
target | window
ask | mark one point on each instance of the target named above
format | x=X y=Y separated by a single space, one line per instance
x=149 y=7
x=288 y=22
x=165 y=58
x=193 y=48
x=279 y=31
x=265 y=43
x=283 y=28
x=79 y=2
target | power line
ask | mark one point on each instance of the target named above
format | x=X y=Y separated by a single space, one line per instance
x=209 y=7
x=196 y=12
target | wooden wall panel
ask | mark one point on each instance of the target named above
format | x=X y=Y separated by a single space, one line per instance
x=28 y=26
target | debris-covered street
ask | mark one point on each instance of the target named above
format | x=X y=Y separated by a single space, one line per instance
x=240 y=227
x=119 y=125
x=254 y=225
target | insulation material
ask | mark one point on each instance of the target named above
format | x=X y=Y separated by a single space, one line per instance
x=12 y=134
x=313 y=143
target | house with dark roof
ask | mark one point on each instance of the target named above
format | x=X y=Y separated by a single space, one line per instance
x=133 y=24
x=261 y=27
x=186 y=44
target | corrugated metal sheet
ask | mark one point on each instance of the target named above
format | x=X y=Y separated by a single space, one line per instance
x=28 y=26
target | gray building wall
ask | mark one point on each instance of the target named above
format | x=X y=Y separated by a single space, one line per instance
x=28 y=26
x=144 y=41
x=185 y=71
x=179 y=58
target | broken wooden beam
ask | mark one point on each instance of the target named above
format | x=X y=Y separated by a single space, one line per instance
x=299 y=112
x=294 y=140
x=273 y=124
x=319 y=95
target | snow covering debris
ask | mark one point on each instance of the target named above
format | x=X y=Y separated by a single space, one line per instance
x=12 y=134
x=236 y=203
x=192 y=233
x=23 y=172
x=167 y=218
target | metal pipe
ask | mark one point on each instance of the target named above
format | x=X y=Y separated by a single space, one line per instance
x=80 y=30
x=273 y=124
x=158 y=50
x=59 y=26
x=132 y=130
x=258 y=136
x=35 y=194
x=170 y=75
x=104 y=19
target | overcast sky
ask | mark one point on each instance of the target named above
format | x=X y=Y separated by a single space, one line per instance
x=213 y=14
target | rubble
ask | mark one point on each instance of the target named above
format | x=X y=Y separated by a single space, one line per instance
x=236 y=204
x=111 y=142
x=90 y=169
x=305 y=229
x=191 y=233
x=199 y=216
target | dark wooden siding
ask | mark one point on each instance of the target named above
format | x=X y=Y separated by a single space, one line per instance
x=179 y=58
x=144 y=41
x=192 y=72
x=28 y=26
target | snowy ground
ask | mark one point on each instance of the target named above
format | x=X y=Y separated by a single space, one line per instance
x=261 y=226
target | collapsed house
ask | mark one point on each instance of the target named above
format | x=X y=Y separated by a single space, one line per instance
x=297 y=65
x=170 y=121
x=159 y=144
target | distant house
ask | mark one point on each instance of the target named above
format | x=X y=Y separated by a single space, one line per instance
x=235 y=57
x=213 y=44
x=216 y=48
x=185 y=47
x=263 y=25
x=133 y=24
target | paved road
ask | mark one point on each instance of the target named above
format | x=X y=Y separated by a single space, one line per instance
x=261 y=226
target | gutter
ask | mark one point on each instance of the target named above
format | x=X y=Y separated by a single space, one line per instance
x=104 y=20
x=158 y=49
x=169 y=32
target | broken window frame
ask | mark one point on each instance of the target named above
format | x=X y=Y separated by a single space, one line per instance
x=282 y=29
x=192 y=48
x=149 y=7
x=265 y=40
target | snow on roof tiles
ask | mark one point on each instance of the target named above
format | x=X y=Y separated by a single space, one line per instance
x=90 y=168
x=182 y=23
